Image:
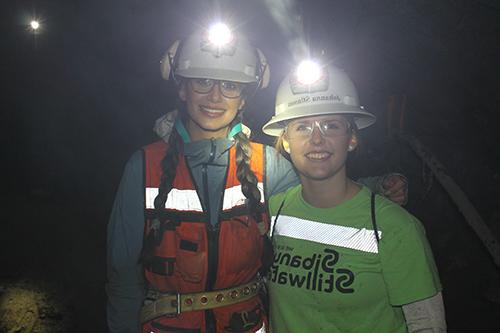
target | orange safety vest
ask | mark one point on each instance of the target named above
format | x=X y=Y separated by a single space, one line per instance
x=190 y=255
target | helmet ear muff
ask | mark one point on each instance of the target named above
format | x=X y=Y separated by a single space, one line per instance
x=265 y=72
x=168 y=61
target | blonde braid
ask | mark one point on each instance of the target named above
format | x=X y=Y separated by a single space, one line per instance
x=245 y=174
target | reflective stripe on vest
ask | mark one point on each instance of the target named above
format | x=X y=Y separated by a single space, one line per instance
x=329 y=234
x=184 y=200
x=187 y=200
x=234 y=197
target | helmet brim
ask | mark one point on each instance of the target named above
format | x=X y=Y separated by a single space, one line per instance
x=277 y=124
x=216 y=74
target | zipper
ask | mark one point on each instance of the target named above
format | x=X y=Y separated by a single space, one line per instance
x=204 y=171
x=212 y=239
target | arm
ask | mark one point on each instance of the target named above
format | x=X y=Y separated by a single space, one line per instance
x=125 y=283
x=425 y=316
x=409 y=270
x=280 y=174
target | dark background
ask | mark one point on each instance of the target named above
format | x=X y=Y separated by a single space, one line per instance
x=80 y=96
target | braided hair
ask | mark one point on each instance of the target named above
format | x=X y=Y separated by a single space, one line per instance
x=169 y=167
x=244 y=174
x=249 y=188
x=168 y=170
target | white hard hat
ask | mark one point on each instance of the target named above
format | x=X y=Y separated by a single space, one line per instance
x=196 y=57
x=332 y=93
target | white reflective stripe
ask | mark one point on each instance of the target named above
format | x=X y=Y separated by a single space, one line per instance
x=151 y=194
x=262 y=329
x=234 y=197
x=330 y=234
x=177 y=199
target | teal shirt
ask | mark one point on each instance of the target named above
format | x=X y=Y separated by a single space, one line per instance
x=330 y=275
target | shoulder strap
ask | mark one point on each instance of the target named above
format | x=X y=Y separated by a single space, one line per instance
x=277 y=215
x=374 y=220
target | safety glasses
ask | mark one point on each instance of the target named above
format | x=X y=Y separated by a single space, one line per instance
x=228 y=89
x=331 y=128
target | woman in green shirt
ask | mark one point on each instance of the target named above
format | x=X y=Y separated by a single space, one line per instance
x=345 y=260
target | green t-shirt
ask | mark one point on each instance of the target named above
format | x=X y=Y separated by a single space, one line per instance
x=330 y=275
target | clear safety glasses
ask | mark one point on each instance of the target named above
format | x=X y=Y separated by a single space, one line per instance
x=228 y=89
x=330 y=128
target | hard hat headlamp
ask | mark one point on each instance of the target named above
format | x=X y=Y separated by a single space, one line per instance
x=34 y=24
x=219 y=40
x=309 y=77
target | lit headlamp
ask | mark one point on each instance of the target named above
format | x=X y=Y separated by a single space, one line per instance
x=219 y=40
x=308 y=78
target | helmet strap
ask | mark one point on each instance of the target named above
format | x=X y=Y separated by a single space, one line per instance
x=172 y=69
x=261 y=69
x=173 y=60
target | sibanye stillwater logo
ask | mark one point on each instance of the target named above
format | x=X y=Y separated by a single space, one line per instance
x=317 y=272
x=307 y=99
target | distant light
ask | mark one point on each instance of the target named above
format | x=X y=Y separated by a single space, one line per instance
x=34 y=25
x=219 y=34
x=308 y=72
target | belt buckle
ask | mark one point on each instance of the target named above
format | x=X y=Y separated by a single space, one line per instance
x=164 y=305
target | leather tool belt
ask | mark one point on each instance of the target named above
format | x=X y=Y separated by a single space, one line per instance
x=159 y=304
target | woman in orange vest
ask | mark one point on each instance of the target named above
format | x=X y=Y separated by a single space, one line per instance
x=187 y=233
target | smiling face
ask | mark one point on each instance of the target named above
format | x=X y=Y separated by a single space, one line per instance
x=319 y=156
x=209 y=113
